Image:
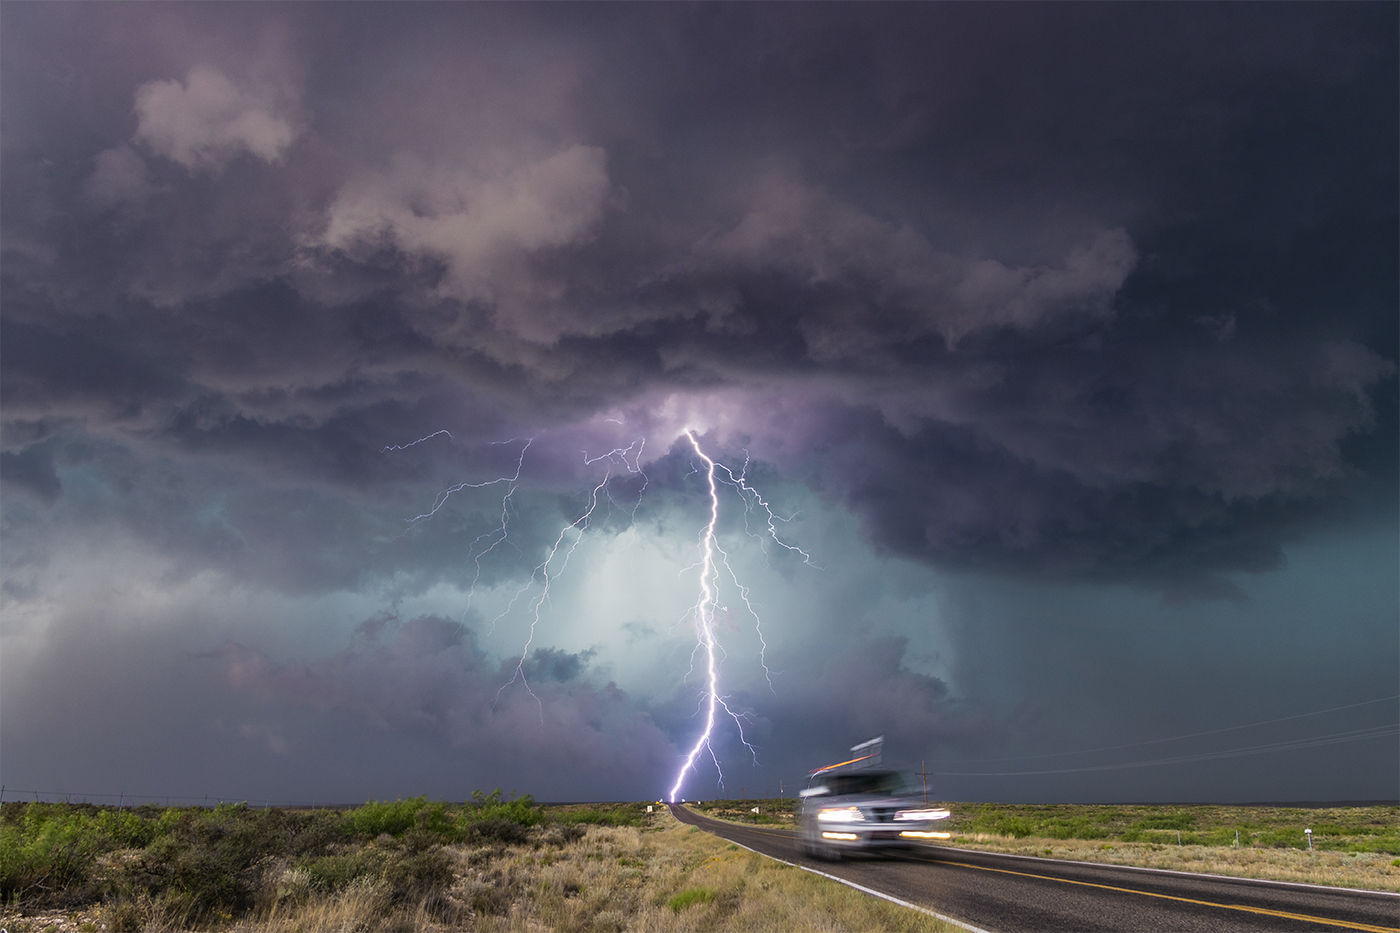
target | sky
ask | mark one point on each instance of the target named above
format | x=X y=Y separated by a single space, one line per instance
x=361 y=366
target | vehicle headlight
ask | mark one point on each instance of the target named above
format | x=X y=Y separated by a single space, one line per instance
x=840 y=814
x=922 y=815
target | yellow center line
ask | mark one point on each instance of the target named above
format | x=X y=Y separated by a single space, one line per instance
x=1308 y=918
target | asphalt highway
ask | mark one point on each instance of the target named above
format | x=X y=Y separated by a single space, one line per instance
x=1009 y=894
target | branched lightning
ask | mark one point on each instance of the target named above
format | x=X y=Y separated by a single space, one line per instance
x=707 y=604
x=542 y=571
x=417 y=442
x=496 y=536
x=545 y=572
x=535 y=591
x=442 y=497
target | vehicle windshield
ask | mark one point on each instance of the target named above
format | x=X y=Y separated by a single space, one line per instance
x=888 y=783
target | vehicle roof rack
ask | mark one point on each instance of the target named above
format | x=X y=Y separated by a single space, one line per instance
x=869 y=754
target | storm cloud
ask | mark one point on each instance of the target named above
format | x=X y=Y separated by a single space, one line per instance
x=1042 y=299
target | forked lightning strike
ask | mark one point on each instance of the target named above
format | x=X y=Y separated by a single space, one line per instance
x=712 y=556
x=707 y=603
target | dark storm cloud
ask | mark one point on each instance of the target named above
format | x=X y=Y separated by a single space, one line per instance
x=1070 y=294
x=866 y=689
x=1093 y=292
x=31 y=469
x=427 y=675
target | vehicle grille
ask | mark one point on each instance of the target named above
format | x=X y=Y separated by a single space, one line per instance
x=883 y=814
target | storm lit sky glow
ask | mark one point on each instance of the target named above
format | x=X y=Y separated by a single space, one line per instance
x=626 y=401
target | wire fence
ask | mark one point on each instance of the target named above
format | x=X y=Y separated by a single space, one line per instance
x=122 y=799
x=1300 y=742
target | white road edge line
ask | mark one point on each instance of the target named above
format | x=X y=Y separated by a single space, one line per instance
x=859 y=887
x=894 y=900
x=1148 y=868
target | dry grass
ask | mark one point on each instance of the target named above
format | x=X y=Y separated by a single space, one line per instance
x=668 y=877
x=662 y=876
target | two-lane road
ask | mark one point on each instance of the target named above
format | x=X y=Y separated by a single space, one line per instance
x=1008 y=893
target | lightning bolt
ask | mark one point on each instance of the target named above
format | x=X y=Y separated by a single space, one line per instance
x=702 y=613
x=535 y=591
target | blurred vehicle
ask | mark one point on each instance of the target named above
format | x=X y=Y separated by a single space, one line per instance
x=863 y=810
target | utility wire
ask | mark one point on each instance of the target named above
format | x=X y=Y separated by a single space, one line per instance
x=1355 y=735
x=1177 y=738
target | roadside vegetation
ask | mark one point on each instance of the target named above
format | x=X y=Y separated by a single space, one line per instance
x=1351 y=846
x=490 y=864
x=781 y=812
x=1336 y=829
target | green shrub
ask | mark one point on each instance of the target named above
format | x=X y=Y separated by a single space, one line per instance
x=203 y=865
x=500 y=831
x=409 y=876
x=1167 y=821
x=520 y=810
x=183 y=867
x=47 y=852
x=1069 y=829
x=413 y=877
x=337 y=872
x=1389 y=846
x=1010 y=826
x=375 y=817
x=690 y=897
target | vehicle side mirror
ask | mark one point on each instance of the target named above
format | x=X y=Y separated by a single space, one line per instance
x=819 y=791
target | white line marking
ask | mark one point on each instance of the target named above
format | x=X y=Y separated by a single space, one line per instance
x=851 y=884
x=1337 y=889
x=932 y=913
